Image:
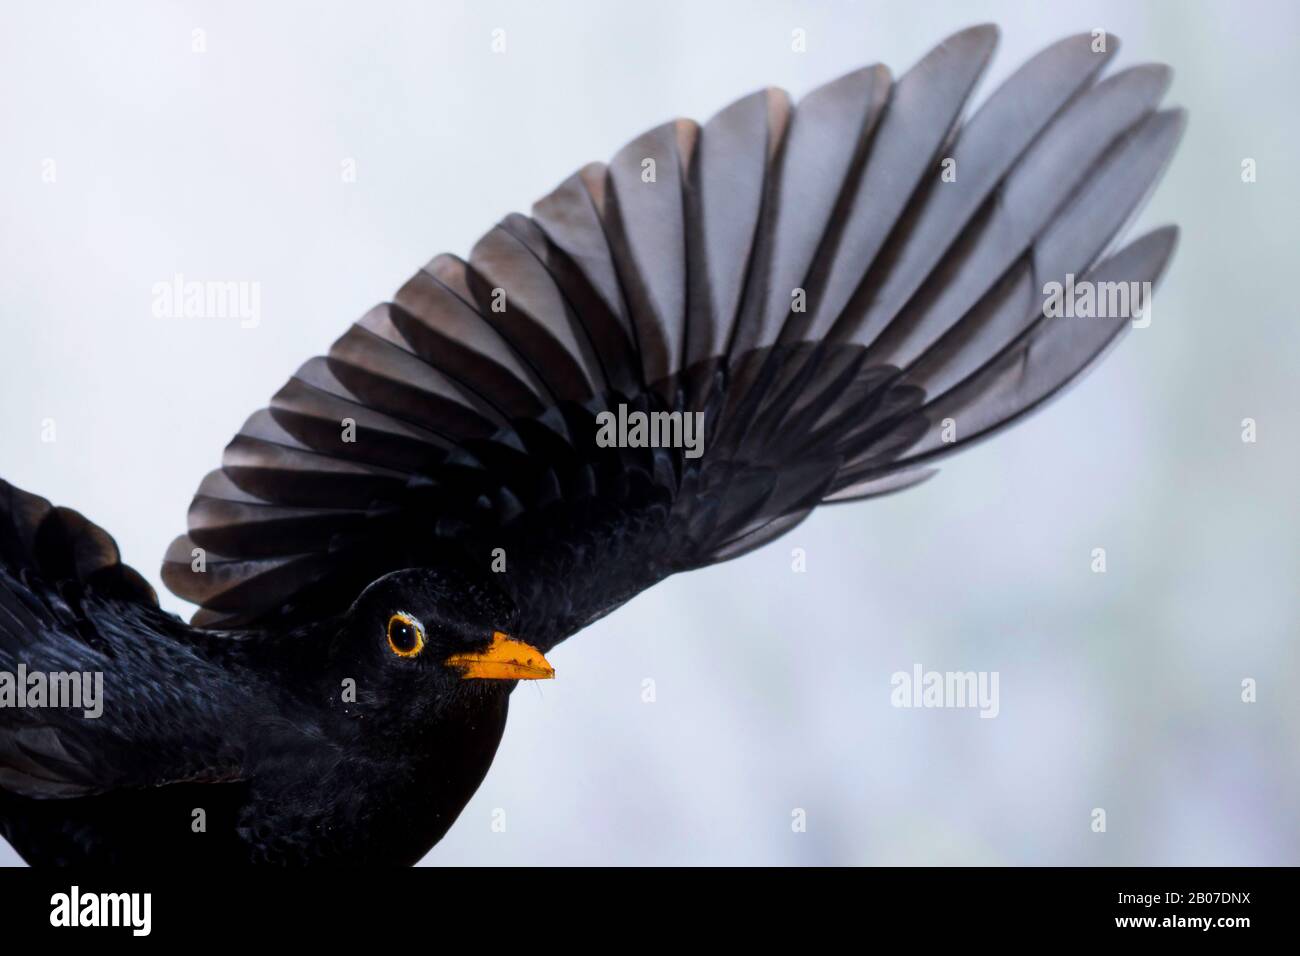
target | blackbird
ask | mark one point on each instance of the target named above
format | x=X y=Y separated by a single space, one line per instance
x=671 y=362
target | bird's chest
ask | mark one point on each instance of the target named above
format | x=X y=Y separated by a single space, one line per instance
x=375 y=806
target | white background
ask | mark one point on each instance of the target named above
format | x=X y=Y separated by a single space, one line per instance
x=1119 y=691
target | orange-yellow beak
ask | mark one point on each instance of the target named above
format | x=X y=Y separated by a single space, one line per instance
x=504 y=659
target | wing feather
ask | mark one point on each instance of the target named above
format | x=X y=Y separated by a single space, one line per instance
x=796 y=293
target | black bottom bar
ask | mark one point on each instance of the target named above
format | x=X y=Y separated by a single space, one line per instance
x=531 y=905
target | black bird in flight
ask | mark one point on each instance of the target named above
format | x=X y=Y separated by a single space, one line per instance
x=845 y=290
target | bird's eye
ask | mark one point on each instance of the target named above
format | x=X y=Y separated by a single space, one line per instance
x=405 y=636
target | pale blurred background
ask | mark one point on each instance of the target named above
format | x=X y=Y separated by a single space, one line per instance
x=1119 y=690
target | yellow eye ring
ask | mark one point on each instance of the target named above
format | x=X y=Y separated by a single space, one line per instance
x=405 y=636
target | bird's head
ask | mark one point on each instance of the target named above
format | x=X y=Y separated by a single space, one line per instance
x=425 y=640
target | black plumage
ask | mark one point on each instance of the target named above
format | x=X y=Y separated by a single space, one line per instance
x=802 y=277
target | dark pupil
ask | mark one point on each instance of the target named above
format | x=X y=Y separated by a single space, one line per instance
x=403 y=636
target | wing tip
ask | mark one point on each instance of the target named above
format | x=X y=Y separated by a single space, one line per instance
x=1164 y=243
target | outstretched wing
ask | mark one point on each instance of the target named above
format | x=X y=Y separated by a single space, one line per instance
x=99 y=688
x=823 y=284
